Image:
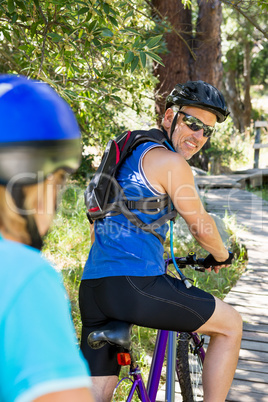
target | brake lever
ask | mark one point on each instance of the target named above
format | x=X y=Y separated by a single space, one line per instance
x=198 y=268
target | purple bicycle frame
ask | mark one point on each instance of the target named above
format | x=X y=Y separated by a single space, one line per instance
x=157 y=364
x=149 y=394
x=201 y=350
x=163 y=338
x=138 y=382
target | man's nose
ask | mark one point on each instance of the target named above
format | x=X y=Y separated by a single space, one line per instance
x=198 y=134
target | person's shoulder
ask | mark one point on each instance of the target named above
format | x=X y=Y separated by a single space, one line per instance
x=165 y=157
x=20 y=262
x=163 y=166
x=148 y=144
x=13 y=251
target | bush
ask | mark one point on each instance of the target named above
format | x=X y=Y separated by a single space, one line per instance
x=228 y=147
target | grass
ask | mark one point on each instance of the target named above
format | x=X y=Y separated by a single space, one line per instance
x=261 y=191
x=67 y=246
x=68 y=243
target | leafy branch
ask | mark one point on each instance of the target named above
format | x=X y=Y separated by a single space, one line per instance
x=172 y=27
x=237 y=5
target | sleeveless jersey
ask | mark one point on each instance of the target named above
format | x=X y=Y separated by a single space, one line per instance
x=120 y=248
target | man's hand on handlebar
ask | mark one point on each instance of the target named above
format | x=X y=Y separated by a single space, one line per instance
x=210 y=262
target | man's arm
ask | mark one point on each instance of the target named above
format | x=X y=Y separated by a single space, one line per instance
x=169 y=172
x=92 y=233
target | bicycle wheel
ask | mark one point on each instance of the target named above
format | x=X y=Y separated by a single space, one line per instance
x=189 y=367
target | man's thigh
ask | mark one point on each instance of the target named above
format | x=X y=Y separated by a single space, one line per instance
x=161 y=302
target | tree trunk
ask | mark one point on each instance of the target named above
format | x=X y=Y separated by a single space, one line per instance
x=247 y=99
x=207 y=66
x=207 y=43
x=233 y=99
x=177 y=58
x=240 y=109
x=180 y=66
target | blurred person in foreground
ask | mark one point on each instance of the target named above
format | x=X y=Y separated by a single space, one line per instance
x=39 y=145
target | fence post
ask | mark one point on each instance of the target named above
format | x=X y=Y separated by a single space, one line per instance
x=257 y=141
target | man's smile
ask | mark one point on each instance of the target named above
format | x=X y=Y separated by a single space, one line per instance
x=191 y=144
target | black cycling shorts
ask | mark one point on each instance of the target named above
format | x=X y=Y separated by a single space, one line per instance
x=161 y=302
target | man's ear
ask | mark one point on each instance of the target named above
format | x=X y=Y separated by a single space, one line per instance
x=168 y=119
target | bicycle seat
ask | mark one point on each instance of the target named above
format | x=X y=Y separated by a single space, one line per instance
x=116 y=333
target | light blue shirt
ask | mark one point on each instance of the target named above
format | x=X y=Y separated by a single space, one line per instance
x=38 y=351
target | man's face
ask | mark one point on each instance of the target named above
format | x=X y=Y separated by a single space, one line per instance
x=186 y=141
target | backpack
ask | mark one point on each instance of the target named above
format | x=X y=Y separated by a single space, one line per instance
x=104 y=196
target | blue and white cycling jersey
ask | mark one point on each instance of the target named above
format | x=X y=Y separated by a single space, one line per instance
x=116 y=251
x=38 y=347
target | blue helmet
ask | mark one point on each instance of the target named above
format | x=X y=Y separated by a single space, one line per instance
x=39 y=132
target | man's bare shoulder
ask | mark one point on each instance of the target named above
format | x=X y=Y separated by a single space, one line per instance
x=161 y=158
x=160 y=165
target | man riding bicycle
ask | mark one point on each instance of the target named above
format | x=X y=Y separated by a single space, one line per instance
x=124 y=278
x=39 y=145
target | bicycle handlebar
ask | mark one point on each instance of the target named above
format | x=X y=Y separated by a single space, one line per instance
x=198 y=264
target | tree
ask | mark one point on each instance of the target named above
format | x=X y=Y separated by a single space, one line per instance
x=245 y=7
x=98 y=54
x=176 y=55
x=207 y=65
x=193 y=50
x=94 y=53
x=241 y=38
x=192 y=41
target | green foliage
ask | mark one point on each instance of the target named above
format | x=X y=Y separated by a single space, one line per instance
x=68 y=242
x=259 y=63
x=258 y=110
x=263 y=5
x=237 y=31
x=95 y=53
x=217 y=284
x=85 y=169
x=227 y=146
x=187 y=3
x=244 y=37
x=261 y=191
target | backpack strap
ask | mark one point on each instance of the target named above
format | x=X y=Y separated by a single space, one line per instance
x=133 y=218
x=107 y=184
x=151 y=205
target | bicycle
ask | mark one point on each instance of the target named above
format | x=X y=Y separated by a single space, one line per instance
x=186 y=359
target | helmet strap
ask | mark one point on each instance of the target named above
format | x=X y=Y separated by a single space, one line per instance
x=36 y=239
x=166 y=135
x=18 y=197
x=173 y=125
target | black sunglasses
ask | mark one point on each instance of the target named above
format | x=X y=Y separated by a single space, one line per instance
x=195 y=125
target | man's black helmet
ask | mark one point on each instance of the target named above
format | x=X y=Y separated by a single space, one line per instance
x=199 y=94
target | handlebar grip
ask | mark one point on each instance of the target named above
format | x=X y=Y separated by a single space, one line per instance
x=210 y=261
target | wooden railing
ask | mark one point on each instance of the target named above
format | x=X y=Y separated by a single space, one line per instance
x=258 y=145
